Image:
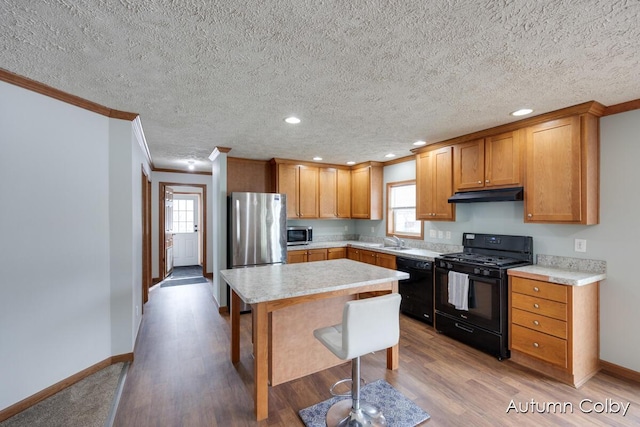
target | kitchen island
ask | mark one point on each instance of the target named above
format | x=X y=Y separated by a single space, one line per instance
x=288 y=302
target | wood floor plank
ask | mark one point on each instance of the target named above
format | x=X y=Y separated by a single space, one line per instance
x=182 y=376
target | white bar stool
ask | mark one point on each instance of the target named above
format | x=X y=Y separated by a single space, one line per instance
x=368 y=325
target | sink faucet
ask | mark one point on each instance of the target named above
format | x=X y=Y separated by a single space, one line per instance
x=399 y=241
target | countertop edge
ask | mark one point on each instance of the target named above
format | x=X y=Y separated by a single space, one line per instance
x=554 y=275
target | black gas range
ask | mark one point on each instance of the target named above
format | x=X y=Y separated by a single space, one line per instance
x=471 y=299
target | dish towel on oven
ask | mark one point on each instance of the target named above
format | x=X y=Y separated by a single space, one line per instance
x=458 y=288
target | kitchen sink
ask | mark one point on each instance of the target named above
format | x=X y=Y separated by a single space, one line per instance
x=397 y=248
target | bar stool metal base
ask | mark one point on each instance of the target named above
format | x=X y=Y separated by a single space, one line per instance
x=341 y=415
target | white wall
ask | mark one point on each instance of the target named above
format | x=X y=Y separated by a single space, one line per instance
x=57 y=297
x=613 y=240
x=126 y=160
x=186 y=179
x=219 y=230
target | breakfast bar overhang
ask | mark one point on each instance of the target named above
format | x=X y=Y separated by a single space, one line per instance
x=304 y=295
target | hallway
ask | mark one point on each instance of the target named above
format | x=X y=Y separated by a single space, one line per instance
x=182 y=376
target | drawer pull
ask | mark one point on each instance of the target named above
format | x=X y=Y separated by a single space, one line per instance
x=536 y=305
x=536 y=345
x=535 y=322
x=536 y=289
x=464 y=328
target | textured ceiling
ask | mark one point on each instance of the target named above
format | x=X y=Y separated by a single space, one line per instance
x=366 y=77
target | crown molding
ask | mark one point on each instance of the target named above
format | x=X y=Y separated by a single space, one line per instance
x=43 y=89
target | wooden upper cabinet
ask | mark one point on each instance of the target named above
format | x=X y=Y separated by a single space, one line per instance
x=334 y=193
x=488 y=162
x=300 y=184
x=502 y=154
x=562 y=171
x=468 y=165
x=366 y=192
x=434 y=185
x=308 y=192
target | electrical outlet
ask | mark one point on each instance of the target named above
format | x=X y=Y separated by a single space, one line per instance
x=137 y=310
x=373 y=229
x=447 y=235
x=440 y=234
x=580 y=245
x=346 y=228
x=432 y=233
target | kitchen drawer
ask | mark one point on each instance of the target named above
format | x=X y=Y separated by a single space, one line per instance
x=542 y=306
x=539 y=345
x=540 y=289
x=548 y=325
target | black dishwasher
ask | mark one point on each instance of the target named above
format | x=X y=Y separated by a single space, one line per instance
x=417 y=290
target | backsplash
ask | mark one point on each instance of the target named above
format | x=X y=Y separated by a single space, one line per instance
x=575 y=264
x=335 y=237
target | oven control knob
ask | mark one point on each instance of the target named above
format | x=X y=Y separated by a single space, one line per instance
x=486 y=272
x=449 y=265
x=476 y=271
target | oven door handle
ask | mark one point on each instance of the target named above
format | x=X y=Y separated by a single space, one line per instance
x=464 y=328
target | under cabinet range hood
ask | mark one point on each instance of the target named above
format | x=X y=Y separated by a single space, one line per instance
x=497 y=195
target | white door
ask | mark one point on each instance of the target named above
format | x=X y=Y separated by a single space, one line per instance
x=185 y=230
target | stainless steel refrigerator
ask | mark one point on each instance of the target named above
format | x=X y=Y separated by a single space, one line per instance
x=257 y=233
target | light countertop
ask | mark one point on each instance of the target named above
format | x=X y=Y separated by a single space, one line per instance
x=274 y=282
x=556 y=275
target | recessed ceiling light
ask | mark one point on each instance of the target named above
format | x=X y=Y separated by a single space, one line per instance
x=317 y=158
x=351 y=163
x=292 y=120
x=390 y=155
x=418 y=143
x=522 y=112
x=191 y=165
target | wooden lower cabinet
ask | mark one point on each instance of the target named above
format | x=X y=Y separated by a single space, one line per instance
x=378 y=258
x=336 y=253
x=554 y=328
x=310 y=255
x=353 y=253
x=306 y=255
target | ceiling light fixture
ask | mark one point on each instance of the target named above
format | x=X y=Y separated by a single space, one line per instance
x=191 y=165
x=351 y=163
x=522 y=112
x=292 y=120
x=390 y=155
x=420 y=143
x=317 y=158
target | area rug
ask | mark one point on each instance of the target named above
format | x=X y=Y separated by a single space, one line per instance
x=91 y=402
x=178 y=282
x=396 y=408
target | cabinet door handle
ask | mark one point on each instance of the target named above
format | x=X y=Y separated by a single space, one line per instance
x=487 y=181
x=536 y=305
x=529 y=215
x=535 y=322
x=536 y=289
x=479 y=182
x=536 y=345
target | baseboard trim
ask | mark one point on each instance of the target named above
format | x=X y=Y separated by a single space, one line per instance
x=223 y=310
x=619 y=371
x=209 y=275
x=28 y=402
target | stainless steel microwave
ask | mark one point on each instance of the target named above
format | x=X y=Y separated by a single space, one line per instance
x=299 y=235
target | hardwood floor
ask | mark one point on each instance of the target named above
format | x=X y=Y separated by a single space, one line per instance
x=182 y=376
